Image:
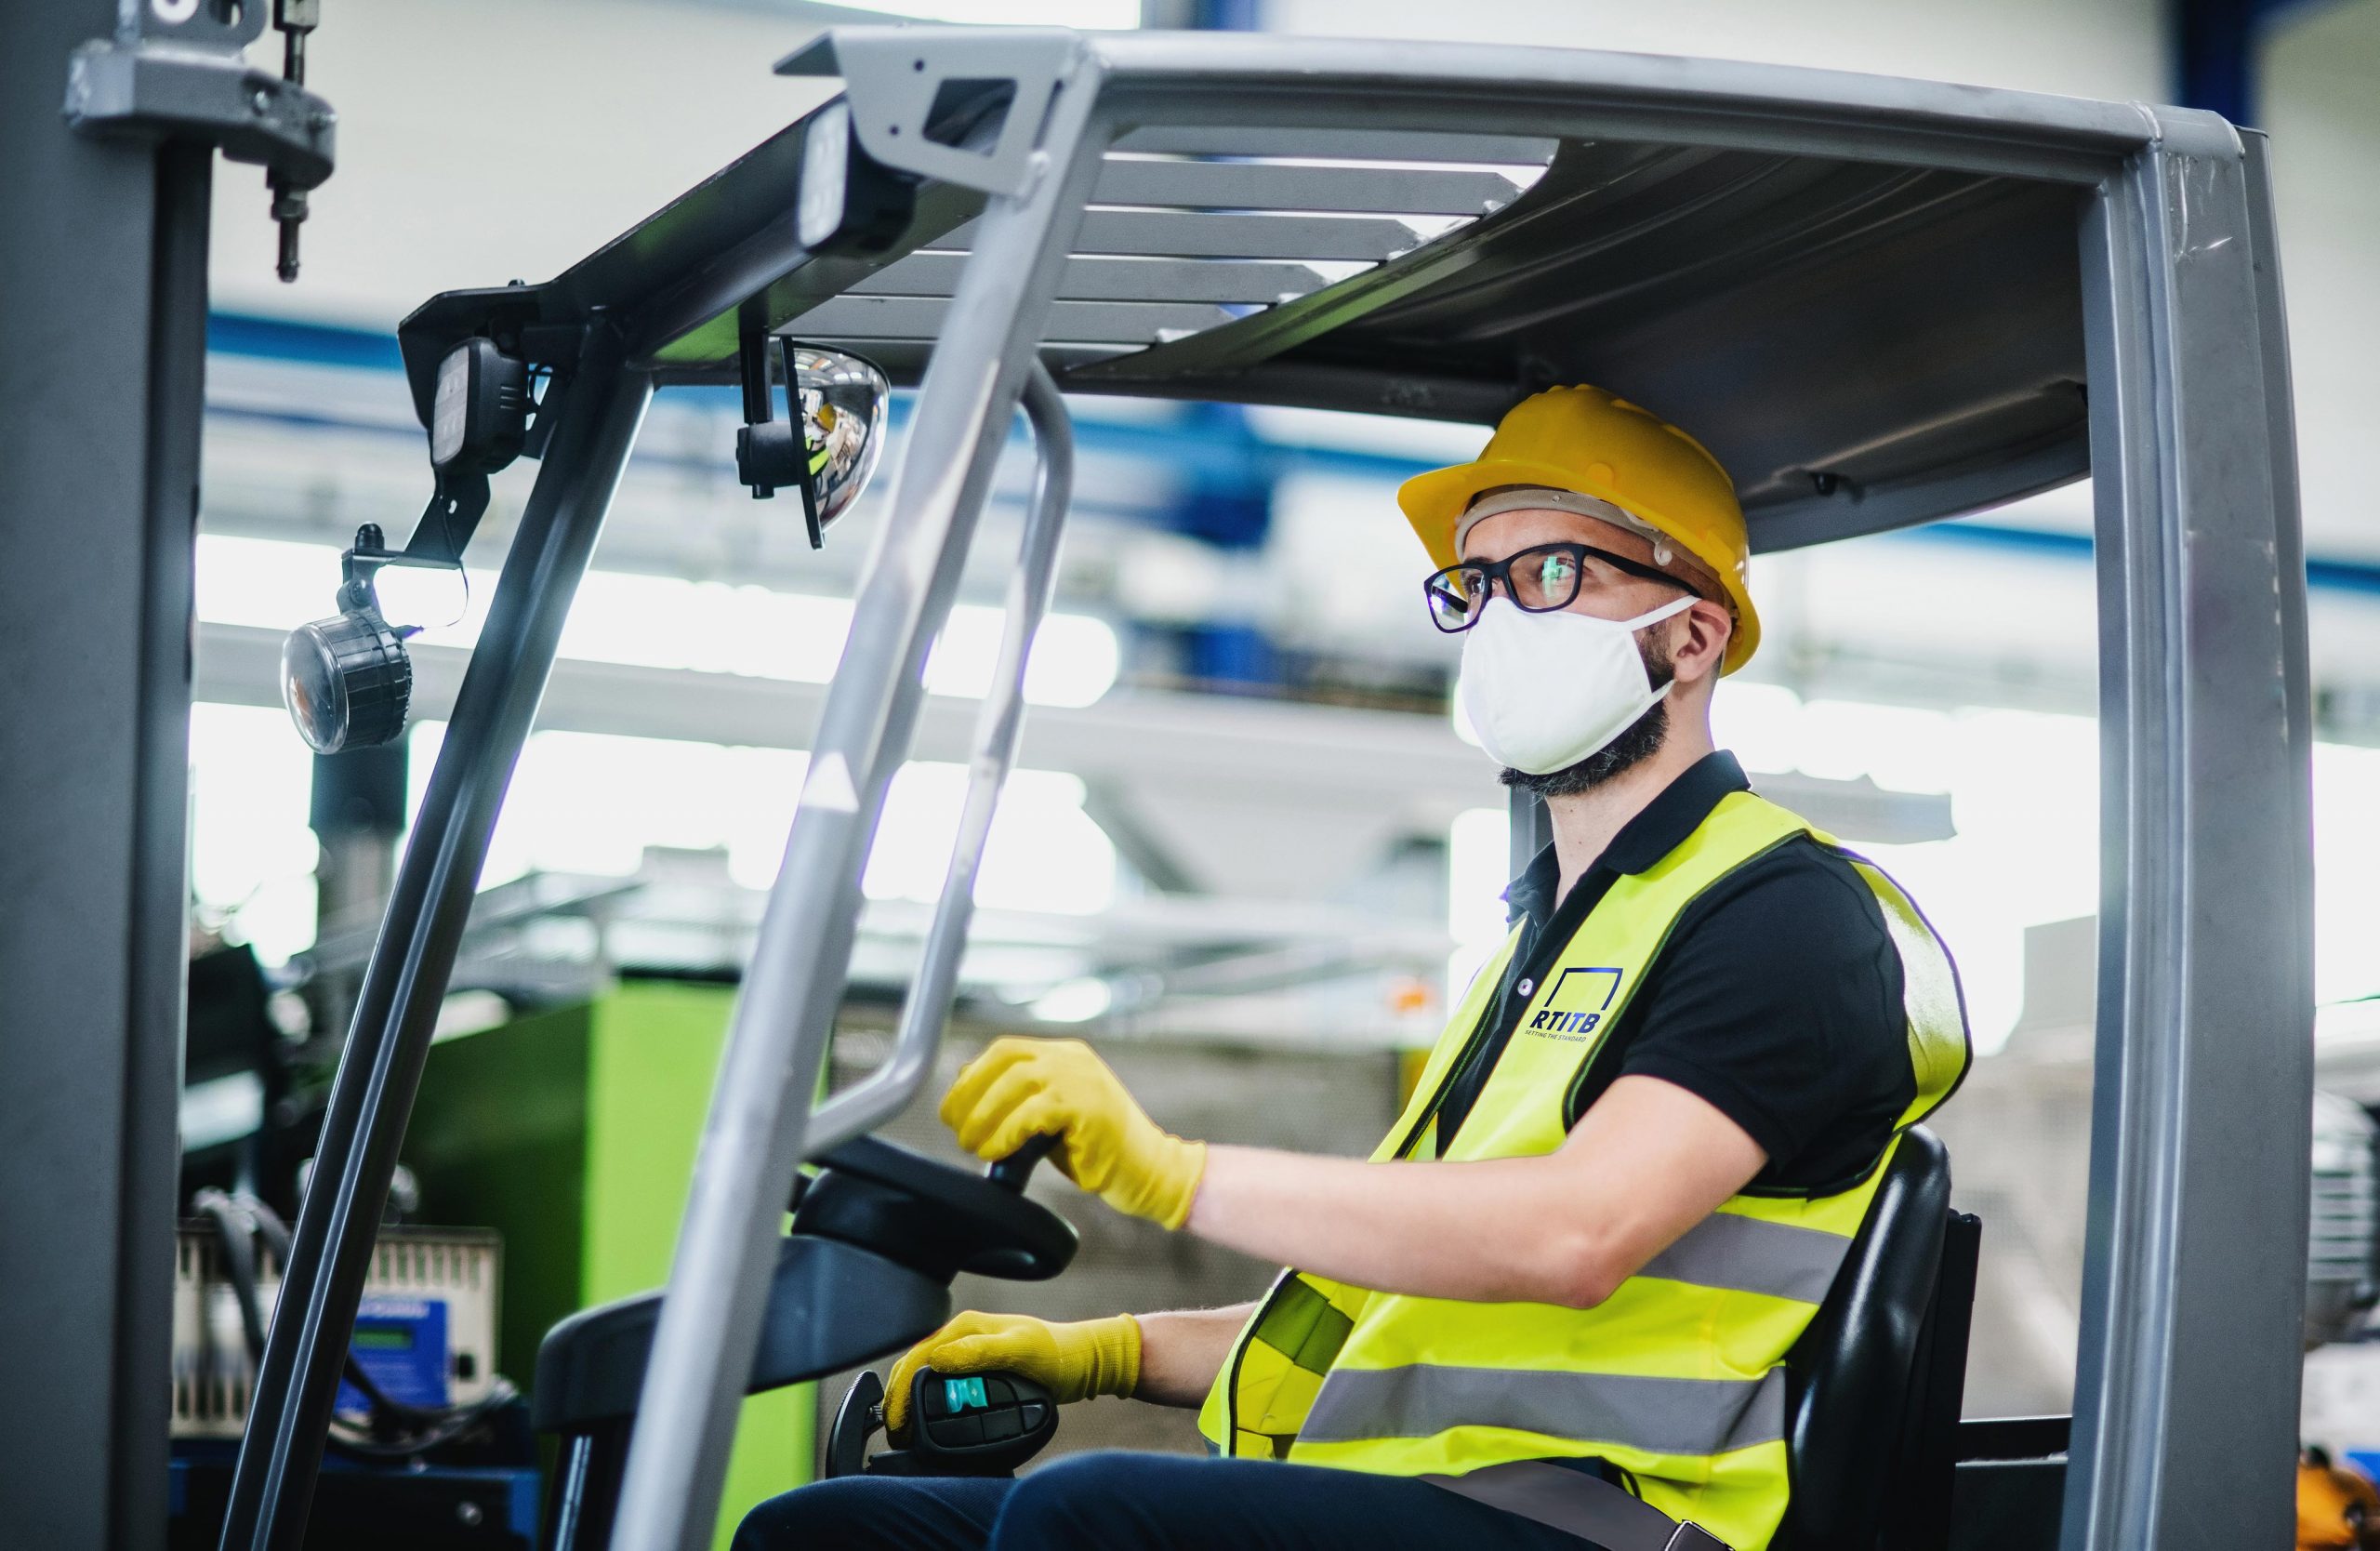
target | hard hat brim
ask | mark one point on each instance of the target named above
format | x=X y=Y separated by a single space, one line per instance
x=1433 y=503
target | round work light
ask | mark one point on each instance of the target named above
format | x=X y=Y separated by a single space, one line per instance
x=345 y=681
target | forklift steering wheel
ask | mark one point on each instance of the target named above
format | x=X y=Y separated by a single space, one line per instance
x=933 y=1218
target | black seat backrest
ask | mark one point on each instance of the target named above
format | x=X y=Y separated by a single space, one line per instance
x=830 y=1306
x=1851 y=1378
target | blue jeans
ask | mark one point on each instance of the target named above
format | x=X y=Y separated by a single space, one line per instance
x=1115 y=1501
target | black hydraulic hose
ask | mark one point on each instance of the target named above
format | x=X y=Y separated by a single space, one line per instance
x=238 y=1221
x=396 y=1008
x=275 y=1234
x=233 y=1237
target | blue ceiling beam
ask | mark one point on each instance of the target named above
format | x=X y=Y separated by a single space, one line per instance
x=1226 y=15
x=2218 y=45
x=1230 y=469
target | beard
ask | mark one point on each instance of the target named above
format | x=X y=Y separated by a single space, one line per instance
x=1638 y=742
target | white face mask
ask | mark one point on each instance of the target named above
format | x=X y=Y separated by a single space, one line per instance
x=1545 y=691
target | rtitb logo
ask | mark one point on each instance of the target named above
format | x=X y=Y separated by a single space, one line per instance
x=1577 y=1003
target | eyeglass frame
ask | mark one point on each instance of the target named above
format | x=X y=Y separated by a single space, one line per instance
x=1495 y=571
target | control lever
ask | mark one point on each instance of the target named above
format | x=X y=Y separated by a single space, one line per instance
x=978 y=1424
x=1010 y=1173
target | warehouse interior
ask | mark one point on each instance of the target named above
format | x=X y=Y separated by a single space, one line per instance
x=1250 y=849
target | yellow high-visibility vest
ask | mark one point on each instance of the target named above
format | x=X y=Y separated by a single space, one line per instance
x=1677 y=1378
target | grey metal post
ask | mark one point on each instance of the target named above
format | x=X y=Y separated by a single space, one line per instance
x=2185 y=1401
x=103 y=307
x=757 y=1129
x=887 y=1091
x=397 y=1007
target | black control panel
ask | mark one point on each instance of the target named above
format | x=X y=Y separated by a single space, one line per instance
x=984 y=1412
x=969 y=1424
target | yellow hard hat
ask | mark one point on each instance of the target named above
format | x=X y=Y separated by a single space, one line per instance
x=1584 y=439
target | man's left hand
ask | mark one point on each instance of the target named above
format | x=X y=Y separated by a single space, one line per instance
x=1021 y=1088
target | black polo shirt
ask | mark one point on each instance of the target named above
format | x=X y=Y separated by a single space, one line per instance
x=1777 y=999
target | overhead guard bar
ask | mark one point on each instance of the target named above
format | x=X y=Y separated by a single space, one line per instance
x=599 y=410
x=759 y=1128
x=887 y=1090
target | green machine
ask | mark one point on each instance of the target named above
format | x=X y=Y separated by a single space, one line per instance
x=573 y=1133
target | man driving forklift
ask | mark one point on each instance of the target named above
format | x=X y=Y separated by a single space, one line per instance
x=1561 y=1292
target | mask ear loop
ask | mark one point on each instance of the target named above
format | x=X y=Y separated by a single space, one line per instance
x=1675 y=605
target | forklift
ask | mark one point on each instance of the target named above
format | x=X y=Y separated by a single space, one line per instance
x=1881 y=302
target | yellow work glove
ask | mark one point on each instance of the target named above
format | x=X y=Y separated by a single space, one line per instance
x=1074 y=1362
x=1020 y=1088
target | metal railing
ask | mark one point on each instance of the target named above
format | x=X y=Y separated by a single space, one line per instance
x=887 y=1090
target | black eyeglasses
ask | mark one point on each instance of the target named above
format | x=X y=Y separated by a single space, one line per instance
x=1537 y=580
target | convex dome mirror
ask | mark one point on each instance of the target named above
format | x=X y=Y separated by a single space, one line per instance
x=829 y=447
x=843 y=402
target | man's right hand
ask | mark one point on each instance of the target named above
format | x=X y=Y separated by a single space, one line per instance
x=1073 y=1361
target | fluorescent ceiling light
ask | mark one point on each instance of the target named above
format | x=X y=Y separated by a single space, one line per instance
x=1074 y=1001
x=1075 y=661
x=662 y=622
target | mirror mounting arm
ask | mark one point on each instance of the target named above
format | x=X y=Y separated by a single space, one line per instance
x=771 y=453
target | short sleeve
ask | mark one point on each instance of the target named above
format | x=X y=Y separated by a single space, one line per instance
x=1778 y=1001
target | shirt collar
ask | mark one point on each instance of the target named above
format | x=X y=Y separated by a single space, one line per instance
x=1658 y=829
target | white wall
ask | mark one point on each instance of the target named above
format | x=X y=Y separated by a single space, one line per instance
x=485 y=140
x=481 y=140
x=2320 y=102
x=2082 y=47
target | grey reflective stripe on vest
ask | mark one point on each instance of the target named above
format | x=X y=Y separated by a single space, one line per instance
x=1577 y=1504
x=1746 y=1254
x=1661 y=1416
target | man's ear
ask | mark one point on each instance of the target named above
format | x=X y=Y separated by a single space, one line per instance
x=1698 y=649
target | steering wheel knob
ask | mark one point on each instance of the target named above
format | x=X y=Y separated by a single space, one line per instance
x=1010 y=1173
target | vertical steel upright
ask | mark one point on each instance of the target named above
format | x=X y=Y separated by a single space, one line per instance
x=601 y=409
x=2187 y=1389
x=102 y=311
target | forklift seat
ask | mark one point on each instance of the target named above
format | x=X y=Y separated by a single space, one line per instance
x=1874 y=1385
